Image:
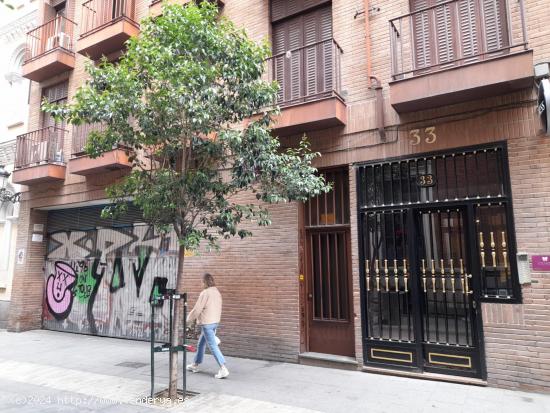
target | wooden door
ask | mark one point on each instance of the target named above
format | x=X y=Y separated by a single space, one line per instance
x=328 y=270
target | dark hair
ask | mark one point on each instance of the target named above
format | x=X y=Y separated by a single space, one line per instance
x=208 y=279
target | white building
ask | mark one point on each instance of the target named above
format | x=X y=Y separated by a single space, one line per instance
x=14 y=24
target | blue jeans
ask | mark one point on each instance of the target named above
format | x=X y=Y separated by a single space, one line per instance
x=208 y=332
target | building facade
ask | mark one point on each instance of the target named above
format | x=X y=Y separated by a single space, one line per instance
x=427 y=258
x=14 y=109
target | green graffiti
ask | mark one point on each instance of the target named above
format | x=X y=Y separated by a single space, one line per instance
x=115 y=282
x=84 y=285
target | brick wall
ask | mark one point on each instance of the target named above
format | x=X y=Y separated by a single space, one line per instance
x=258 y=276
x=258 y=279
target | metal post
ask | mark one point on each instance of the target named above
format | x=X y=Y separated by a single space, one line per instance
x=184 y=380
x=171 y=326
x=152 y=345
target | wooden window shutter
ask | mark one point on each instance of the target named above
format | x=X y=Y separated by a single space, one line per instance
x=444 y=32
x=277 y=9
x=58 y=94
x=326 y=36
x=318 y=51
x=495 y=28
x=421 y=28
x=302 y=65
x=281 y=9
x=280 y=33
x=468 y=13
x=295 y=41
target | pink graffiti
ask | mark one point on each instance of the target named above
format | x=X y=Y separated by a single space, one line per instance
x=59 y=295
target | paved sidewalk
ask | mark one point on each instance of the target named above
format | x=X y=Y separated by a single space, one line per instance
x=44 y=371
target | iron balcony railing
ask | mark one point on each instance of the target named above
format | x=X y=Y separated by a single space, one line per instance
x=57 y=33
x=99 y=13
x=308 y=73
x=455 y=33
x=80 y=136
x=42 y=146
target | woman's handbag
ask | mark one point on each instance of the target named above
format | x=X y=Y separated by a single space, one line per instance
x=193 y=332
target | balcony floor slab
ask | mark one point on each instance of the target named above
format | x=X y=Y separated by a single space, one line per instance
x=491 y=77
x=313 y=115
x=49 y=64
x=39 y=174
x=107 y=39
x=110 y=161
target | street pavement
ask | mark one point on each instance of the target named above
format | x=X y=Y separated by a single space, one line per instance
x=45 y=371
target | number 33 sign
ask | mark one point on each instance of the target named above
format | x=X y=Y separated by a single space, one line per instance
x=416 y=136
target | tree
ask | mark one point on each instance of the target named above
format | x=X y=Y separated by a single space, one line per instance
x=188 y=102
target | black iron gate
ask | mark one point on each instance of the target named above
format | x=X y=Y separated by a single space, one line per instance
x=424 y=264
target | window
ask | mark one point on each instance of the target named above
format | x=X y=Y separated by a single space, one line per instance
x=55 y=94
x=303 y=56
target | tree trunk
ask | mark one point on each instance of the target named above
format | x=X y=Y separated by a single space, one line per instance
x=176 y=326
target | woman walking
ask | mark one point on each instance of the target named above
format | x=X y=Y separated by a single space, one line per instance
x=207 y=312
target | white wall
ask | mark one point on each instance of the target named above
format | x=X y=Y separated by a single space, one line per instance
x=14 y=25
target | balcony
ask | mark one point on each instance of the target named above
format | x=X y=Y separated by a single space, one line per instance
x=49 y=50
x=155 y=8
x=81 y=164
x=39 y=156
x=310 y=88
x=458 y=51
x=106 y=25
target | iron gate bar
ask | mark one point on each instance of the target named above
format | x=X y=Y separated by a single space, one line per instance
x=449 y=280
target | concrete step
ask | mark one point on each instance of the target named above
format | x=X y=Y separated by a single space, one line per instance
x=333 y=361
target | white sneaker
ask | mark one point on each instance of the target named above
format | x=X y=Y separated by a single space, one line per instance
x=222 y=373
x=193 y=367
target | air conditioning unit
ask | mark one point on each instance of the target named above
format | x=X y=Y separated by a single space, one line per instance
x=59 y=40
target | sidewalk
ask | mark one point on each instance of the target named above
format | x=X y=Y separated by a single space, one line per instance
x=44 y=371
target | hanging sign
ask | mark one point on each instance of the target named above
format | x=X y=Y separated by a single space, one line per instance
x=543 y=105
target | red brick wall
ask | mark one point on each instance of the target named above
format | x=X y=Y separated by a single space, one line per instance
x=258 y=276
x=258 y=279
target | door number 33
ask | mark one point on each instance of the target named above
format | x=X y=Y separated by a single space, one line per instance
x=427 y=135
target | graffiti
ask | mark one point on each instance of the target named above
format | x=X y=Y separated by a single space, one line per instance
x=59 y=295
x=97 y=276
x=84 y=282
x=111 y=270
x=139 y=270
x=117 y=277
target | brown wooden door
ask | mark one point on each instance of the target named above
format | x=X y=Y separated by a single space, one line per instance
x=328 y=270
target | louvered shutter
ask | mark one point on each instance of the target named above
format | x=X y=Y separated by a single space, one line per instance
x=444 y=32
x=495 y=28
x=468 y=12
x=279 y=47
x=313 y=59
x=303 y=65
x=295 y=42
x=278 y=9
x=421 y=28
x=58 y=94
x=281 y=9
x=318 y=51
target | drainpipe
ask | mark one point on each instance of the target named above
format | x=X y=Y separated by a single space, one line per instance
x=373 y=81
x=367 y=39
x=377 y=86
